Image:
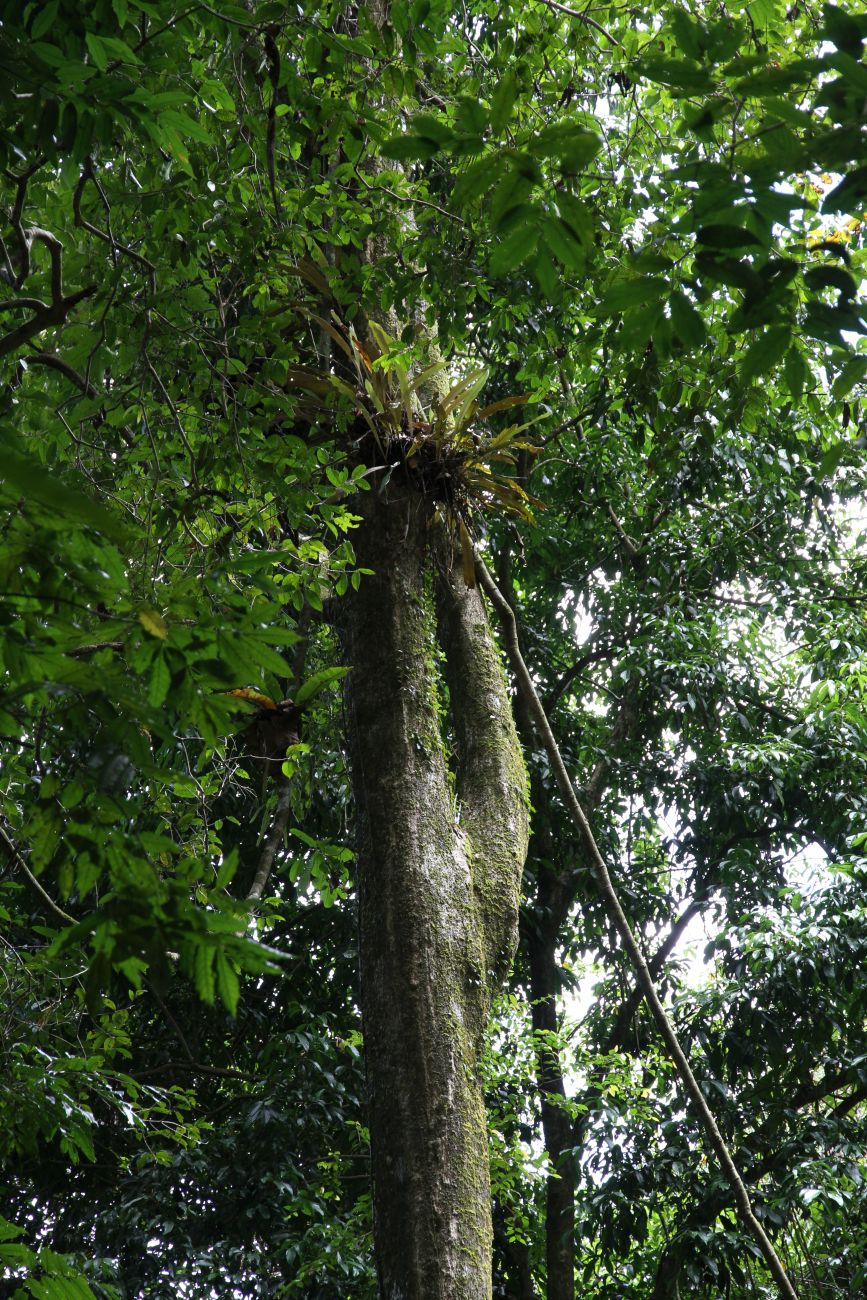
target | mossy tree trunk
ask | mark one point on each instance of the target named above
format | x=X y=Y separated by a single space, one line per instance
x=439 y=869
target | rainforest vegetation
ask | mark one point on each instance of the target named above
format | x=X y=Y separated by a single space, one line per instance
x=433 y=660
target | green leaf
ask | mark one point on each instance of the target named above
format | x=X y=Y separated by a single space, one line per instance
x=830 y=324
x=774 y=80
x=228 y=984
x=689 y=34
x=832 y=458
x=185 y=125
x=511 y=192
x=44 y=19
x=546 y=273
x=409 y=148
x=853 y=373
x=97 y=50
x=577 y=217
x=47 y=53
x=563 y=243
x=765 y=352
x=478 y=178
x=262 y=654
x=573 y=144
x=203 y=972
x=318 y=682
x=844 y=30
x=728 y=270
x=503 y=101
x=427 y=126
x=831 y=277
x=9 y=1231
x=725 y=236
x=160 y=681
x=631 y=292
x=763 y=12
x=640 y=325
x=680 y=74
x=686 y=320
x=795 y=373
x=471 y=118
x=35 y=481
x=515 y=249
x=850 y=195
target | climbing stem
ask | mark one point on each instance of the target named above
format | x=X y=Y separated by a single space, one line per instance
x=620 y=921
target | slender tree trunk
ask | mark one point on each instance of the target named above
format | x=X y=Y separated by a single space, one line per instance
x=556 y=1124
x=543 y=922
x=438 y=879
x=516 y=1255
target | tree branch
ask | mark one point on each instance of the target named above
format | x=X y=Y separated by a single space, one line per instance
x=106 y=236
x=583 y=18
x=272 y=841
x=93 y=647
x=15 y=220
x=57 y=363
x=23 y=304
x=272 y=55
x=630 y=1005
x=632 y=547
x=55 y=314
x=33 y=882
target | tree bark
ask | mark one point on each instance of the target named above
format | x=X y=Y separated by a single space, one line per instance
x=439 y=868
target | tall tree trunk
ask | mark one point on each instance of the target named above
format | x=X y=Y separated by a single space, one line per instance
x=438 y=879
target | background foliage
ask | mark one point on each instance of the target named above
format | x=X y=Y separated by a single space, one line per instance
x=647 y=221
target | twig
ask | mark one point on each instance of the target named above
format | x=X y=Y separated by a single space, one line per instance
x=175 y=416
x=632 y=547
x=281 y=813
x=196 y=1067
x=414 y=200
x=106 y=236
x=584 y=18
x=46 y=314
x=93 y=648
x=33 y=882
x=566 y=679
x=619 y=919
x=181 y=1037
x=57 y=363
x=55 y=314
x=630 y=1004
x=55 y=252
x=849 y=1103
x=29 y=304
x=7 y=261
x=15 y=217
x=272 y=54
x=226 y=18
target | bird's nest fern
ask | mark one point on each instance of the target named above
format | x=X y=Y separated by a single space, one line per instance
x=446 y=448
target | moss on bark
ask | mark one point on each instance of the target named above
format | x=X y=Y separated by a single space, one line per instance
x=438 y=896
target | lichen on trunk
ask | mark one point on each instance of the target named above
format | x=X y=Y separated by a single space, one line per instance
x=439 y=871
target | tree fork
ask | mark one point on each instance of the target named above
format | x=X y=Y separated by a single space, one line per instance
x=618 y=917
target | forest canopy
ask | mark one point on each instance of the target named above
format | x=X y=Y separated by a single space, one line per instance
x=432 y=448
